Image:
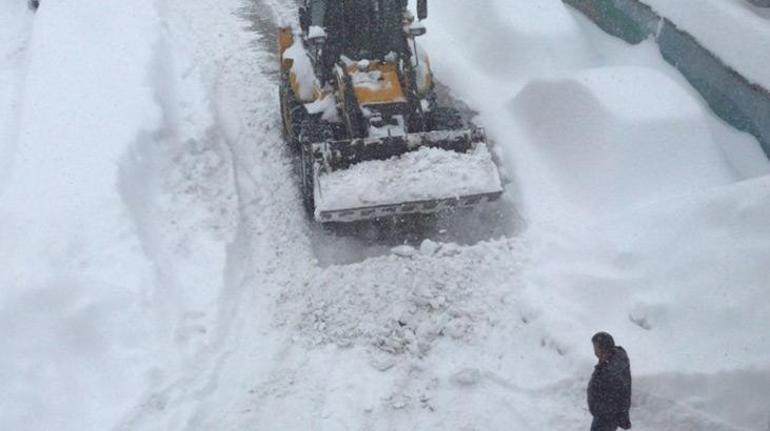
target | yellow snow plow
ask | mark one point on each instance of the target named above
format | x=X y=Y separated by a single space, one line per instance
x=359 y=108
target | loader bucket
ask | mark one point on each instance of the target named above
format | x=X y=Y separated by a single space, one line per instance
x=372 y=178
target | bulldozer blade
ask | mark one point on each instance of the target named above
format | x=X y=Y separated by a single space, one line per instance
x=418 y=173
x=416 y=207
x=342 y=154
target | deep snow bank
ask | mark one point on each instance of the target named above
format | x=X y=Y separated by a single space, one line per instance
x=607 y=142
x=638 y=219
x=642 y=227
x=74 y=278
x=114 y=221
x=636 y=178
x=681 y=283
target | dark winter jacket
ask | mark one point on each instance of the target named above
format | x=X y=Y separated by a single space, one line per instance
x=609 y=391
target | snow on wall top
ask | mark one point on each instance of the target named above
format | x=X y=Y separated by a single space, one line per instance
x=731 y=29
x=425 y=174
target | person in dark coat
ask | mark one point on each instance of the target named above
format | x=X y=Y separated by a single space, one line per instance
x=609 y=391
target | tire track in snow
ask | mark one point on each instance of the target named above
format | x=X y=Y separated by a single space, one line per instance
x=271 y=256
x=271 y=223
x=175 y=186
x=272 y=249
x=14 y=45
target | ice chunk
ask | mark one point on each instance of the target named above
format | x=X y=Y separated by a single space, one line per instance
x=326 y=106
x=316 y=32
x=404 y=251
x=429 y=248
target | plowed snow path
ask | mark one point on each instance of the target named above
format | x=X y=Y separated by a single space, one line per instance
x=293 y=345
x=15 y=27
x=269 y=245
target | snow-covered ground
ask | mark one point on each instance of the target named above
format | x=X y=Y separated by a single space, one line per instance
x=15 y=24
x=159 y=272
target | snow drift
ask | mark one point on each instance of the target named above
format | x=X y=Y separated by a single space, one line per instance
x=639 y=214
x=607 y=142
x=106 y=248
x=74 y=277
x=506 y=40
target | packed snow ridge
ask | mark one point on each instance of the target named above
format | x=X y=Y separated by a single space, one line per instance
x=402 y=303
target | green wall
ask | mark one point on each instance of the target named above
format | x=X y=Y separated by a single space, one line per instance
x=744 y=105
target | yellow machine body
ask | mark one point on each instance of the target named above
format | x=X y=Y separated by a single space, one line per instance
x=376 y=84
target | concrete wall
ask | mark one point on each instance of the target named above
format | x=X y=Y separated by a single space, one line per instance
x=744 y=105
